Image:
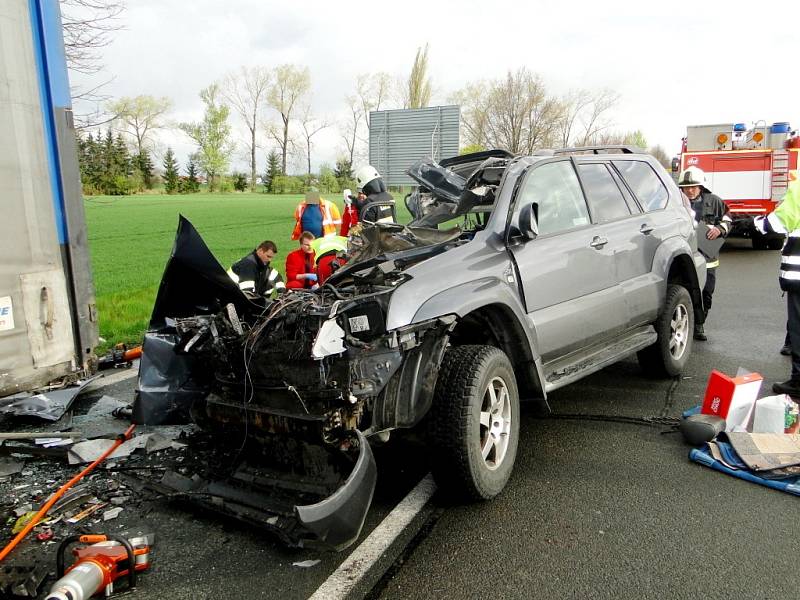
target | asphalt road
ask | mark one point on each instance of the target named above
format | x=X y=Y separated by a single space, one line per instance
x=595 y=508
x=602 y=509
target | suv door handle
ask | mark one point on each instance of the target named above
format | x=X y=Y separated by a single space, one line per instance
x=646 y=228
x=598 y=242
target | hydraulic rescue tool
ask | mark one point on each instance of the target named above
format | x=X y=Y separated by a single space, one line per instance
x=99 y=565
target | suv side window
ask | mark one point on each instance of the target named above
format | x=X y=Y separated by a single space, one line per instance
x=646 y=185
x=603 y=193
x=555 y=188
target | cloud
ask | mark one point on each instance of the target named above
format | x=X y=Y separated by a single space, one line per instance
x=673 y=65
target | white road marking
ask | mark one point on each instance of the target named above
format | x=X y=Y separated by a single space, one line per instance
x=342 y=581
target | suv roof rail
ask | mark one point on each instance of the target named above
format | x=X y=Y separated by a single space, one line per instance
x=622 y=148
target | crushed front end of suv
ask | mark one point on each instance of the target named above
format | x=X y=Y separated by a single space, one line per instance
x=517 y=276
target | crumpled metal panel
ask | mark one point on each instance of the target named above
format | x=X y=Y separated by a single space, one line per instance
x=194 y=283
x=167 y=387
x=49 y=406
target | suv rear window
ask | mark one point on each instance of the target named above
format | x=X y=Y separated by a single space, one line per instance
x=646 y=185
x=603 y=193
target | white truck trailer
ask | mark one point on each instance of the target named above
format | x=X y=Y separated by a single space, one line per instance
x=48 y=318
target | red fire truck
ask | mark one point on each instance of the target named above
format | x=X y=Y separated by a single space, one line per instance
x=748 y=167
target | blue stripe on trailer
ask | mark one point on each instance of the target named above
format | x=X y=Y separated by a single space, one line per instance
x=51 y=70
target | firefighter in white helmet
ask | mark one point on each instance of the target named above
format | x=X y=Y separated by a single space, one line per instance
x=709 y=209
x=373 y=189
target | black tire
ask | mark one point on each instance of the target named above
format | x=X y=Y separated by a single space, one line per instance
x=455 y=430
x=775 y=243
x=760 y=241
x=675 y=328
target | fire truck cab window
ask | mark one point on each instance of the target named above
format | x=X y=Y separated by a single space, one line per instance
x=644 y=182
x=605 y=198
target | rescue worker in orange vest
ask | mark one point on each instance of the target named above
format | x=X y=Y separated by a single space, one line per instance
x=316 y=215
x=709 y=209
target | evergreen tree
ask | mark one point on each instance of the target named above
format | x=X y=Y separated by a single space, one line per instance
x=191 y=185
x=239 y=181
x=144 y=165
x=171 y=177
x=344 y=173
x=273 y=170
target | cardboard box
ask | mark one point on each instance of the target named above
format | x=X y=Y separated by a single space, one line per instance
x=732 y=398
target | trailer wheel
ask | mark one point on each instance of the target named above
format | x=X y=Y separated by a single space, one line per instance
x=675 y=325
x=474 y=423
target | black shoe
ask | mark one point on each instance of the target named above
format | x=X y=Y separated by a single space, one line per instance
x=699 y=334
x=786 y=350
x=791 y=387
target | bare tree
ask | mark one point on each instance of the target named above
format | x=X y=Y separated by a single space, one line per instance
x=419 y=84
x=475 y=106
x=350 y=134
x=661 y=156
x=88 y=27
x=373 y=90
x=513 y=113
x=311 y=127
x=246 y=90
x=290 y=84
x=594 y=119
x=141 y=116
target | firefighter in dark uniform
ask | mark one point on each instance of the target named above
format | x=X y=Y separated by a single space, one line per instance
x=255 y=275
x=709 y=209
x=373 y=189
x=786 y=220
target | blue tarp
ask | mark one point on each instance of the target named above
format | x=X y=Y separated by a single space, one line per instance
x=703 y=456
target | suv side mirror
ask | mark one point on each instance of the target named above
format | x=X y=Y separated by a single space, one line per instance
x=527 y=220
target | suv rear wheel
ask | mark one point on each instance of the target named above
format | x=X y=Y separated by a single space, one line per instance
x=674 y=326
x=474 y=422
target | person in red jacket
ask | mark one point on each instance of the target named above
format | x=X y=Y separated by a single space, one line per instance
x=300 y=265
x=349 y=215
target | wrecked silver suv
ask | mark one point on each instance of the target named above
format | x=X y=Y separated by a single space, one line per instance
x=554 y=266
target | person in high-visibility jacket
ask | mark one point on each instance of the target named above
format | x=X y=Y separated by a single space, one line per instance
x=255 y=274
x=709 y=209
x=786 y=220
x=316 y=215
x=301 y=265
x=331 y=253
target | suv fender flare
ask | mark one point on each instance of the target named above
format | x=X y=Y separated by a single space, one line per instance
x=472 y=296
x=691 y=267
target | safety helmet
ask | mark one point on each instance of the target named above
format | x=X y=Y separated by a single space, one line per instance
x=692 y=176
x=366 y=174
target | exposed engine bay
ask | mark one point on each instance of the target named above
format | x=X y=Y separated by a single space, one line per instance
x=300 y=383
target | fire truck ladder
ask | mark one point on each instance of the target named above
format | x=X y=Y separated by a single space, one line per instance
x=780 y=173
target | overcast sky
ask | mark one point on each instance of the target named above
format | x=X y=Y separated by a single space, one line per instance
x=673 y=63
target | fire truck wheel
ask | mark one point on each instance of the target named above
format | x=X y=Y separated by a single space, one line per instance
x=674 y=326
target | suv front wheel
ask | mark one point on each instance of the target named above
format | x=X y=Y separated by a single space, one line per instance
x=674 y=326
x=474 y=422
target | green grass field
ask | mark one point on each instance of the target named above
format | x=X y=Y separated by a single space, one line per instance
x=130 y=238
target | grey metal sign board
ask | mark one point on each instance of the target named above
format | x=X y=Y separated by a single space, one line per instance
x=397 y=138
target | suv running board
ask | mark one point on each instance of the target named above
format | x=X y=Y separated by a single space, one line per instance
x=572 y=367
